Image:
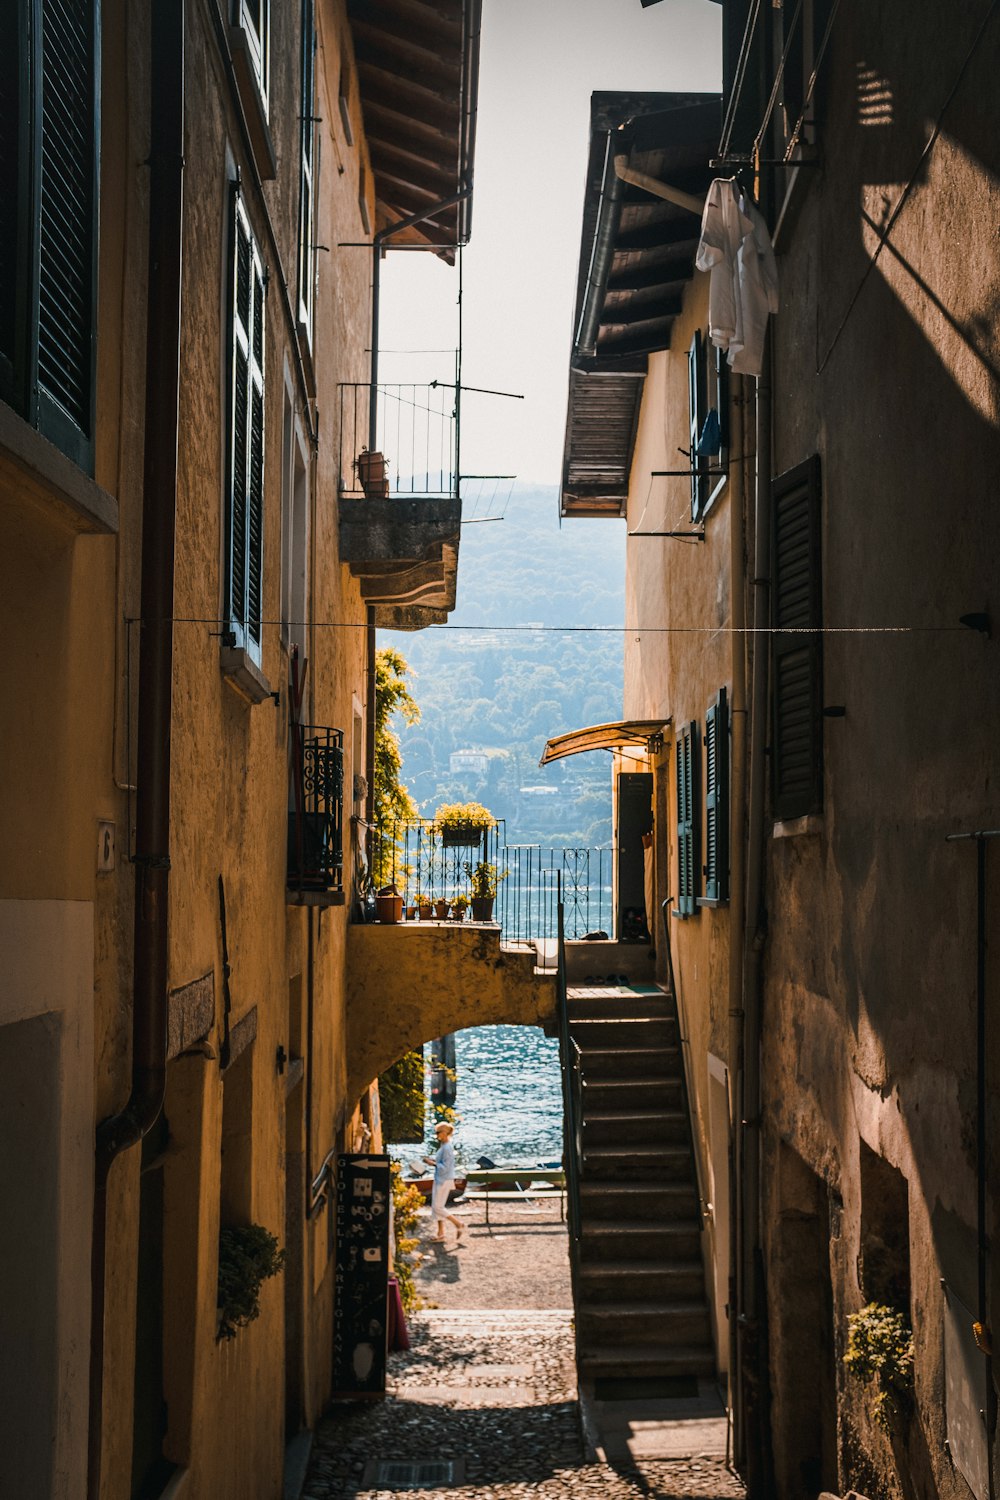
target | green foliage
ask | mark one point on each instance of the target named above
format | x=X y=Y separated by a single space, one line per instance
x=248 y=1255
x=455 y=815
x=401 y=1098
x=880 y=1348
x=483 y=879
x=393 y=802
x=406 y=1201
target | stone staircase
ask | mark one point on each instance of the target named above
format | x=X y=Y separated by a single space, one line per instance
x=642 y=1313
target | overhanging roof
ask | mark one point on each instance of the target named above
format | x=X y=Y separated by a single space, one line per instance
x=603 y=737
x=418 y=68
x=636 y=258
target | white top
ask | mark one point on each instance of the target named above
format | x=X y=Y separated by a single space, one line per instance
x=735 y=248
x=444 y=1163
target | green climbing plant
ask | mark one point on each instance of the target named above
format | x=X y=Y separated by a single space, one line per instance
x=248 y=1255
x=880 y=1349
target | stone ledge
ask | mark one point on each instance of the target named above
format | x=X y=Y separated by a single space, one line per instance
x=190 y=1014
x=36 y=469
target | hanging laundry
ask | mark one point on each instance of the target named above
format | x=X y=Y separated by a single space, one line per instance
x=735 y=248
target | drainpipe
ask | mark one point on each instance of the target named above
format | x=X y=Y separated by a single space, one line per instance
x=751 y=1436
x=737 y=865
x=152 y=862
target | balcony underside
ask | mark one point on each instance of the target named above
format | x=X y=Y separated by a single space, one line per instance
x=405 y=555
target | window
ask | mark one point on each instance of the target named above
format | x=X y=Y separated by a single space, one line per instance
x=716 y=866
x=245 y=458
x=686 y=761
x=251 y=16
x=797 y=656
x=307 y=175
x=708 y=408
x=48 y=239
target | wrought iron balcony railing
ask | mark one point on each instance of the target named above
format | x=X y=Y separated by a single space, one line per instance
x=415 y=453
x=316 y=817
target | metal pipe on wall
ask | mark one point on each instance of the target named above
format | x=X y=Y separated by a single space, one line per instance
x=152 y=860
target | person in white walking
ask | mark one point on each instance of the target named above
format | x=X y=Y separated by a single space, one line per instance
x=443 y=1163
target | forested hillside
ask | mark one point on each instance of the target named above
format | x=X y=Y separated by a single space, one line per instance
x=485 y=687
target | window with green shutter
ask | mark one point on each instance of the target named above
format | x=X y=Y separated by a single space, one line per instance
x=697 y=412
x=245 y=457
x=686 y=758
x=796 y=643
x=307 y=174
x=716 y=866
x=49 y=126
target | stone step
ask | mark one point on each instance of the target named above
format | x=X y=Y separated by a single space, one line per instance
x=625 y=1162
x=659 y=1201
x=647 y=1361
x=639 y=1240
x=614 y=1281
x=603 y=1062
x=624 y=1031
x=664 y=1323
x=602 y=1005
x=627 y=1093
x=645 y=1126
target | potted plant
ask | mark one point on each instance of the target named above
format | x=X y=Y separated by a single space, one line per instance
x=460 y=906
x=425 y=908
x=372 y=476
x=483 y=880
x=441 y=908
x=462 y=824
x=389 y=905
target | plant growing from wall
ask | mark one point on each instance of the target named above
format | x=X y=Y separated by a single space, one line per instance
x=880 y=1349
x=401 y=1096
x=248 y=1255
x=406 y=1201
x=393 y=803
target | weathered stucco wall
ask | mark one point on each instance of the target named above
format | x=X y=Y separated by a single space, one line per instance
x=409 y=983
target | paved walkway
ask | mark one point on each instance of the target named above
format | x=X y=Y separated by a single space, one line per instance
x=489 y=1397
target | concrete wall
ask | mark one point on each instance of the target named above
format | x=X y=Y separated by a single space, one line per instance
x=889 y=372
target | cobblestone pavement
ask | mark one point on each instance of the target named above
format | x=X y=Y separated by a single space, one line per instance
x=493 y=1390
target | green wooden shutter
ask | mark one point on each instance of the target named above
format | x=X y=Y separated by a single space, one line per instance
x=686 y=767
x=716 y=867
x=67 y=224
x=797 y=645
x=14 y=195
x=697 y=413
x=245 y=509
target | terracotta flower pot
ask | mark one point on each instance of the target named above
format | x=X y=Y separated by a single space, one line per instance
x=440 y=910
x=425 y=911
x=372 y=474
x=389 y=908
x=482 y=908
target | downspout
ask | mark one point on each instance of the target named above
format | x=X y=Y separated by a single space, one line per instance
x=750 y=1432
x=737 y=864
x=152 y=861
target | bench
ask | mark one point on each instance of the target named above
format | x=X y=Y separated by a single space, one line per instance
x=549 y=1188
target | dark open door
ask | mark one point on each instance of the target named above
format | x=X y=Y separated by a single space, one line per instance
x=635 y=817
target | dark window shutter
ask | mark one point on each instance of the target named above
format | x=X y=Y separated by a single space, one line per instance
x=245 y=507
x=67 y=219
x=686 y=760
x=716 y=868
x=14 y=178
x=797 y=644
x=307 y=171
x=697 y=412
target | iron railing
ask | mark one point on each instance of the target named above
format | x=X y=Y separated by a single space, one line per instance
x=315 y=820
x=415 y=442
x=425 y=865
x=572 y=1090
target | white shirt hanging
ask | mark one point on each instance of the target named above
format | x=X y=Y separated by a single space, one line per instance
x=735 y=249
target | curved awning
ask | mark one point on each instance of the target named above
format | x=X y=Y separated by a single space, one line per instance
x=604 y=737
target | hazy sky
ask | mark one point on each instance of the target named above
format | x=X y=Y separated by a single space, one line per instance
x=540 y=62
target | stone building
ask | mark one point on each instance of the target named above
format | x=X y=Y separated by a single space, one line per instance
x=195 y=553
x=810 y=608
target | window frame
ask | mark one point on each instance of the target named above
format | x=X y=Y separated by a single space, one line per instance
x=708 y=387
x=258 y=42
x=308 y=178
x=239 y=578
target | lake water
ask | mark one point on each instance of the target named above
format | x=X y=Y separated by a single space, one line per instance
x=509 y=1095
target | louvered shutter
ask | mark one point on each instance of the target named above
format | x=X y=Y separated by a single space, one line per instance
x=14 y=198
x=685 y=760
x=797 y=656
x=716 y=867
x=67 y=224
x=697 y=413
x=307 y=173
x=252 y=16
x=245 y=518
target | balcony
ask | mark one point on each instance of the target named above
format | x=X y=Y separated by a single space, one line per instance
x=400 y=513
x=315 y=820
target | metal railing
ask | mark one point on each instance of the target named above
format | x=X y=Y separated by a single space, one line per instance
x=315 y=821
x=415 y=450
x=572 y=1091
